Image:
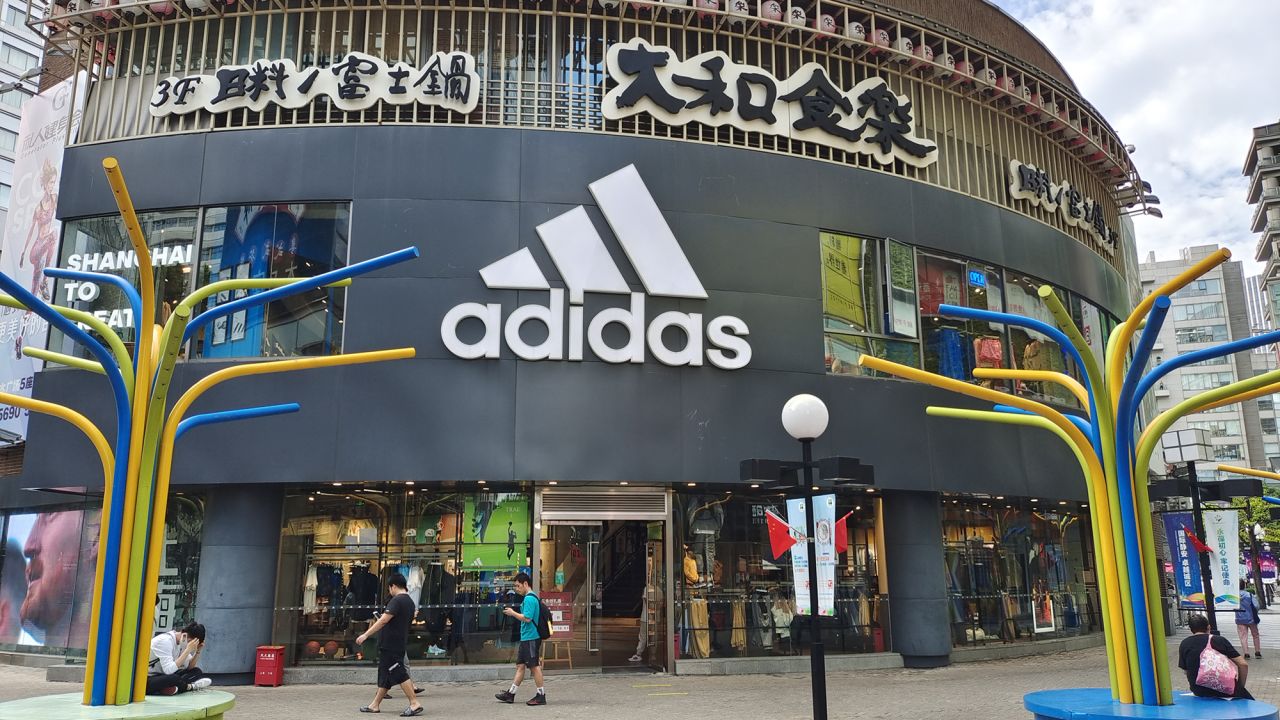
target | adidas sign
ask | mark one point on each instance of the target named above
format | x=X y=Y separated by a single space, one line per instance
x=585 y=265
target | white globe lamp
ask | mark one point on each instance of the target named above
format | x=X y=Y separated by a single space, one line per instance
x=805 y=417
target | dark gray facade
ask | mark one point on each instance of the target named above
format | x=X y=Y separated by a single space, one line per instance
x=748 y=222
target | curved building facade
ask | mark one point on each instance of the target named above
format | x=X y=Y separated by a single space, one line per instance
x=643 y=227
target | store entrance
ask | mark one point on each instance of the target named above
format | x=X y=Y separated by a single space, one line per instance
x=603 y=582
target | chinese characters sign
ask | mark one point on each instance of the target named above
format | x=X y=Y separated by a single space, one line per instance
x=1030 y=183
x=1221 y=529
x=709 y=88
x=1185 y=560
x=354 y=82
x=824 y=521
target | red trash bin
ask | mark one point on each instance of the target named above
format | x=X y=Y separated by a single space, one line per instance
x=270 y=667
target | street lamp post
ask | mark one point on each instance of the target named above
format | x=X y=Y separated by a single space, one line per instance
x=805 y=419
x=1255 y=536
x=1206 y=570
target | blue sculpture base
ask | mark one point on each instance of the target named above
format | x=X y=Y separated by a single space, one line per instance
x=1096 y=704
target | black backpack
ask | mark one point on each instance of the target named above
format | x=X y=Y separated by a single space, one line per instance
x=544 y=619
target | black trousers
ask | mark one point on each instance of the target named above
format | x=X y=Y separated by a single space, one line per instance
x=159 y=684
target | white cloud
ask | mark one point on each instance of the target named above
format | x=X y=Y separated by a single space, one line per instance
x=1184 y=81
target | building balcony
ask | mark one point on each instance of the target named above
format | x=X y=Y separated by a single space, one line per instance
x=1266 y=167
x=1269 y=199
x=1262 y=135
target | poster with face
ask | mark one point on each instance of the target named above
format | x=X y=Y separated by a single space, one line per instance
x=47 y=579
x=495 y=530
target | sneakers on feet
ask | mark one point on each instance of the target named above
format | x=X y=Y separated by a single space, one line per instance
x=169 y=691
x=539 y=699
x=634 y=658
x=201 y=684
x=506 y=697
x=1257 y=654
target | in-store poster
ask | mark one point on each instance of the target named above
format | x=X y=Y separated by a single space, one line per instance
x=495 y=530
x=825 y=547
x=47 y=578
x=32 y=232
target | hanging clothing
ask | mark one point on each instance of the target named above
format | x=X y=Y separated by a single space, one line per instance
x=309 y=590
x=738 y=637
x=414 y=582
x=782 y=617
x=700 y=622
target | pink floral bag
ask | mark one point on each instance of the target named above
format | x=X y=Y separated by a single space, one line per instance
x=1217 y=672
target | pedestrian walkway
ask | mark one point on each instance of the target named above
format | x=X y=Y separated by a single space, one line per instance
x=968 y=691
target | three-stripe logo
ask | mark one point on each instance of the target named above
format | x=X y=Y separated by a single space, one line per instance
x=585 y=266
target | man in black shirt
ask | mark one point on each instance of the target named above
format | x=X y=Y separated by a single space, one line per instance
x=1189 y=658
x=394 y=625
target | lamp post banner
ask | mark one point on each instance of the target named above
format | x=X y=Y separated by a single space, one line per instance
x=31 y=234
x=1222 y=528
x=1186 y=561
x=824 y=528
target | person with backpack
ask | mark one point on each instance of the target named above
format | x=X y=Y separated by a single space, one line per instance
x=534 y=627
x=1214 y=668
x=1247 y=621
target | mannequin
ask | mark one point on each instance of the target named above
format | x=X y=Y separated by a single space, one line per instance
x=706 y=518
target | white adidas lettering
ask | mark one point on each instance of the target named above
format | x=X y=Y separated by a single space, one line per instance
x=579 y=253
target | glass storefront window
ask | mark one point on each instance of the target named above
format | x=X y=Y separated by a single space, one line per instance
x=47 y=568
x=955 y=347
x=734 y=598
x=855 y=315
x=1016 y=573
x=101 y=244
x=274 y=241
x=1033 y=350
x=458 y=551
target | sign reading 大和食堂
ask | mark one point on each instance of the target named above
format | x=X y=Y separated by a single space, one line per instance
x=353 y=82
x=710 y=88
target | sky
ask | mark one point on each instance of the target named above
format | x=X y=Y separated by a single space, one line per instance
x=1186 y=86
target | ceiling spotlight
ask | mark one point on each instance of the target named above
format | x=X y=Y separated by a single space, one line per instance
x=693 y=484
x=337 y=484
x=312 y=498
x=553 y=482
x=624 y=482
x=408 y=482
x=755 y=485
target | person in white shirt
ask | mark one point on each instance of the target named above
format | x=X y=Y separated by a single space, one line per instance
x=173 y=667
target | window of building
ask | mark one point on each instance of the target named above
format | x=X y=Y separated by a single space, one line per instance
x=5 y=191
x=1016 y=573
x=1198 y=311
x=1217 y=428
x=8 y=140
x=731 y=585
x=1205 y=381
x=1033 y=350
x=1268 y=425
x=1271 y=449
x=19 y=60
x=1227 y=452
x=458 y=551
x=853 y=303
x=13 y=99
x=14 y=16
x=954 y=347
x=1201 y=334
x=1200 y=287
x=100 y=244
x=274 y=241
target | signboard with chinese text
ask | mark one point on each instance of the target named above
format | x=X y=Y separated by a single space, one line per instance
x=1033 y=185
x=560 y=605
x=354 y=82
x=1185 y=560
x=825 y=529
x=710 y=88
x=1223 y=530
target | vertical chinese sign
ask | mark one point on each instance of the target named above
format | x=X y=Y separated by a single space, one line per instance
x=1222 y=528
x=32 y=233
x=824 y=528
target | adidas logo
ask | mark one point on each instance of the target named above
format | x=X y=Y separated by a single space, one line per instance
x=585 y=266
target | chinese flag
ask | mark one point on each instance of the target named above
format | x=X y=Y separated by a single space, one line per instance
x=842 y=534
x=1195 y=541
x=780 y=537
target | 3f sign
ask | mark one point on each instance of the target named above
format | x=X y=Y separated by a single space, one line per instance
x=584 y=263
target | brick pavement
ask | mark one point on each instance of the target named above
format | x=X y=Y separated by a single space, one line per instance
x=971 y=691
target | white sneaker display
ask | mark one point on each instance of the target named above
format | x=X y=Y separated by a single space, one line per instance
x=436 y=650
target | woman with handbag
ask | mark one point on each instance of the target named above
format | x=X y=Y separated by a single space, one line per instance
x=1247 y=621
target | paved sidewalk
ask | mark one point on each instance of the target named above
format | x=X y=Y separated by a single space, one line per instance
x=971 y=691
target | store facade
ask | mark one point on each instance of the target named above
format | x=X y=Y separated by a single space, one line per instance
x=643 y=228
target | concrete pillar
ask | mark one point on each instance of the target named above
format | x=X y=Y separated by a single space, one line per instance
x=917 y=584
x=235 y=596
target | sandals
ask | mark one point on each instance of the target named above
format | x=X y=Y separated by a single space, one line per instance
x=412 y=712
x=367 y=709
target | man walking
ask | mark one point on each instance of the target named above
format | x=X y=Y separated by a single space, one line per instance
x=529 y=655
x=394 y=625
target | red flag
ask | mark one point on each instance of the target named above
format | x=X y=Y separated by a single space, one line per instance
x=1195 y=541
x=842 y=533
x=780 y=536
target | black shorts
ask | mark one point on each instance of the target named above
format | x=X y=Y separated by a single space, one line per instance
x=528 y=654
x=391 y=669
